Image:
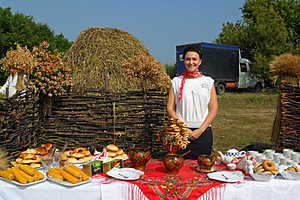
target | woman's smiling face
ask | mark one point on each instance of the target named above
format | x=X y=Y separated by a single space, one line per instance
x=192 y=61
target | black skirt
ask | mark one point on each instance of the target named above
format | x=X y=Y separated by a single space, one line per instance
x=200 y=146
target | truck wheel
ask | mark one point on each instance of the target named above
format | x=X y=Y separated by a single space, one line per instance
x=220 y=89
x=257 y=88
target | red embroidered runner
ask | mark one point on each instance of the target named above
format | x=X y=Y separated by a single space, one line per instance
x=188 y=184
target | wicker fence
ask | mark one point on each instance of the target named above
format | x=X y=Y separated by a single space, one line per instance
x=95 y=118
x=286 y=130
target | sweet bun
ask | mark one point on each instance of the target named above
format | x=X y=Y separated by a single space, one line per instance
x=111 y=154
x=27 y=156
x=30 y=151
x=78 y=155
x=35 y=165
x=112 y=147
x=72 y=159
x=118 y=157
x=28 y=161
x=120 y=152
x=85 y=159
x=41 y=151
x=80 y=149
x=68 y=153
x=47 y=146
x=63 y=157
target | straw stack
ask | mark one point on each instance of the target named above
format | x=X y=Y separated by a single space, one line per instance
x=149 y=71
x=286 y=67
x=97 y=55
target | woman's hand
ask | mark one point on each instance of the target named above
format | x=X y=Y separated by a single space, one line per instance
x=195 y=134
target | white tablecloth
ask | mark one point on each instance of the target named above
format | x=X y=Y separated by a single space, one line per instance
x=277 y=189
x=50 y=191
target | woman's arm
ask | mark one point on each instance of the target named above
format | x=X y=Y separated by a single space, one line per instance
x=171 y=104
x=212 y=113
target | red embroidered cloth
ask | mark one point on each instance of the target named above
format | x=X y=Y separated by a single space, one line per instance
x=188 y=184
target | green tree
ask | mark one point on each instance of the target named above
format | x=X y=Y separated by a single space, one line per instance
x=267 y=28
x=171 y=70
x=21 y=29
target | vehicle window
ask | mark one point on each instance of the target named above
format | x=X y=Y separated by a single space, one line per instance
x=243 y=67
x=181 y=57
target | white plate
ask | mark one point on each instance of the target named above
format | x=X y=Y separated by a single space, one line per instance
x=66 y=183
x=127 y=174
x=291 y=175
x=227 y=176
x=261 y=176
x=26 y=184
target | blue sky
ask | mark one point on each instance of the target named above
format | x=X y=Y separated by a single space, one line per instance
x=159 y=24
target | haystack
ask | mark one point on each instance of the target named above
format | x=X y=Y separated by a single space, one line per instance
x=97 y=56
x=286 y=127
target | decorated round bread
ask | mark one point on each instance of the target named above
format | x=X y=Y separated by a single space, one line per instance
x=112 y=147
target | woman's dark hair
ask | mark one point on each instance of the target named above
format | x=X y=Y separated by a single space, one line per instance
x=194 y=49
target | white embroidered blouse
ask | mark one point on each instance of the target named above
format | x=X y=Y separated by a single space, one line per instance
x=193 y=108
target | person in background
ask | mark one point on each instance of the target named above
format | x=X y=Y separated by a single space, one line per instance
x=193 y=99
x=15 y=82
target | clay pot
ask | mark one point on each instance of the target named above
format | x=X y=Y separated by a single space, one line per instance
x=206 y=161
x=173 y=163
x=139 y=159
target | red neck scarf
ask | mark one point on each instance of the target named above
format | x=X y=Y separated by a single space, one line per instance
x=185 y=74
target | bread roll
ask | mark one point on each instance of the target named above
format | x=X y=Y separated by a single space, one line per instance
x=112 y=147
x=111 y=154
x=41 y=151
x=47 y=146
x=78 y=155
x=120 y=152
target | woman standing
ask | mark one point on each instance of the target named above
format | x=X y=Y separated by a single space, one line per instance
x=15 y=82
x=193 y=99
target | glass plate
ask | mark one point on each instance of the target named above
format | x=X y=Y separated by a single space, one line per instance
x=66 y=183
x=26 y=184
x=227 y=176
x=127 y=174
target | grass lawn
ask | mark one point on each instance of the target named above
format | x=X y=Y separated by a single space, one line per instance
x=243 y=119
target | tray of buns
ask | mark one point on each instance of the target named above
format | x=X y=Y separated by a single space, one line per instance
x=78 y=155
x=33 y=156
x=23 y=175
x=115 y=152
x=69 y=176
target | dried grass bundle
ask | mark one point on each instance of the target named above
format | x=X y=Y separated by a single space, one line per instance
x=98 y=54
x=149 y=70
x=19 y=61
x=285 y=65
x=3 y=160
x=50 y=76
